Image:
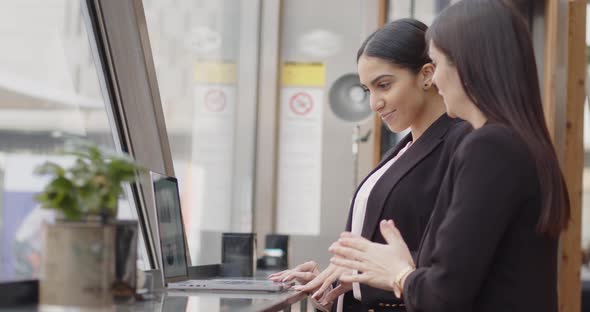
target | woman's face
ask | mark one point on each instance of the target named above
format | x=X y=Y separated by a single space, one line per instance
x=396 y=94
x=446 y=78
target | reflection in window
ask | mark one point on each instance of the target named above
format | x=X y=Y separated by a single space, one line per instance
x=422 y=10
x=49 y=90
x=198 y=53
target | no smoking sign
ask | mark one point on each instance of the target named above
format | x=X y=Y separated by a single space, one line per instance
x=301 y=103
x=215 y=100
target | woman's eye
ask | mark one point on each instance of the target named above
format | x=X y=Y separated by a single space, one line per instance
x=384 y=85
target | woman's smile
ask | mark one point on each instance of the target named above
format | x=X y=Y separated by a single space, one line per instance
x=388 y=116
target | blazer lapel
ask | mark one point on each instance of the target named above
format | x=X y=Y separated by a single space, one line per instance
x=413 y=156
x=390 y=154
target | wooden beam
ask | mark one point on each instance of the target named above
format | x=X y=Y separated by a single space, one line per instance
x=383 y=13
x=549 y=63
x=573 y=164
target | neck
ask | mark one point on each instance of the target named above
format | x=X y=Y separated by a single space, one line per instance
x=475 y=117
x=434 y=108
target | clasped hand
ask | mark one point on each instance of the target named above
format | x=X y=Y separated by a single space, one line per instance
x=312 y=280
x=379 y=263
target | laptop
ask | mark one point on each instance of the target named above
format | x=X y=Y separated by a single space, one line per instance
x=173 y=255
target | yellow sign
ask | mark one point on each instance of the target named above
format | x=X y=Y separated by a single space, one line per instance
x=296 y=74
x=215 y=72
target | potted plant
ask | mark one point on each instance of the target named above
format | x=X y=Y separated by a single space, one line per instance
x=89 y=258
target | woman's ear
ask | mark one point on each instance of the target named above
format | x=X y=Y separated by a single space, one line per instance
x=426 y=74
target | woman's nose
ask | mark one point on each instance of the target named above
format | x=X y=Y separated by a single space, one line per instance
x=376 y=103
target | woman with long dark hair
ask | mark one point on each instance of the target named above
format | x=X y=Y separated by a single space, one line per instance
x=491 y=243
x=394 y=68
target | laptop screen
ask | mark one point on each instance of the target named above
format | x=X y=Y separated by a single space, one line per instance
x=170 y=227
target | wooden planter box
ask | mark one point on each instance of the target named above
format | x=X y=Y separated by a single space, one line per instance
x=88 y=264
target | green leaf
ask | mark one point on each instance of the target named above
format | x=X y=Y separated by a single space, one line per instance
x=92 y=185
x=50 y=168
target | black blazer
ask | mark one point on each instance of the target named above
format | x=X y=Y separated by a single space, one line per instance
x=406 y=193
x=481 y=251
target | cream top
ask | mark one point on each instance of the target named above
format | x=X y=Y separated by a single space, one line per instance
x=360 y=204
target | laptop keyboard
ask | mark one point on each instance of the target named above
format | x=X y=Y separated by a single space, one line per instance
x=225 y=282
x=229 y=282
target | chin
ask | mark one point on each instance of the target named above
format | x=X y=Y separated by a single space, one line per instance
x=396 y=128
x=451 y=114
x=450 y=111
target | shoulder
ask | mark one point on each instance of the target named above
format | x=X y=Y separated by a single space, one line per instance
x=496 y=155
x=495 y=143
x=496 y=134
x=458 y=130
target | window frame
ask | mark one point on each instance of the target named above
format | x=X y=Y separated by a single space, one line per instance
x=124 y=51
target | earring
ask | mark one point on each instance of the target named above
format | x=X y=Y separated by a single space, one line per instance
x=426 y=86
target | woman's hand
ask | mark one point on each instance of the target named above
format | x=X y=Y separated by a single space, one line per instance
x=380 y=264
x=302 y=273
x=323 y=282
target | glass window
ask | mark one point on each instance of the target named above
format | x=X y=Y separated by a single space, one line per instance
x=422 y=10
x=49 y=91
x=201 y=51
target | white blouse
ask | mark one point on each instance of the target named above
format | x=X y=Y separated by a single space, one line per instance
x=360 y=207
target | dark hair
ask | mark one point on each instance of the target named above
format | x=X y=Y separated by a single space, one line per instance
x=490 y=45
x=400 y=42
